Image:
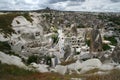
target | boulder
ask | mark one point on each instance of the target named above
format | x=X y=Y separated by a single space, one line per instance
x=105 y=57
x=42 y=68
x=52 y=70
x=33 y=65
x=117 y=67
x=74 y=67
x=39 y=67
x=61 y=69
x=84 y=66
x=85 y=56
x=90 y=64
x=12 y=60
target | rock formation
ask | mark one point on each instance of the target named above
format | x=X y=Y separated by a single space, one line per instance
x=67 y=50
x=73 y=30
x=116 y=54
x=95 y=41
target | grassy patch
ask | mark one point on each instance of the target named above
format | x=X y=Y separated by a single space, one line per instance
x=113 y=75
x=13 y=70
x=5 y=23
x=10 y=72
x=92 y=71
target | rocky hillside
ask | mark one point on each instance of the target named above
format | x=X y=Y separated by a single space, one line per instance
x=59 y=41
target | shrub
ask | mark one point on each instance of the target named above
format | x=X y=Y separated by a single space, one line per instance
x=77 y=53
x=112 y=40
x=80 y=26
x=48 y=60
x=4 y=46
x=27 y=16
x=88 y=42
x=68 y=25
x=114 y=19
x=106 y=47
x=55 y=38
x=47 y=16
x=118 y=30
x=32 y=58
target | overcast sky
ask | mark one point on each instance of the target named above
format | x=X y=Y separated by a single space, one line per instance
x=69 y=5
